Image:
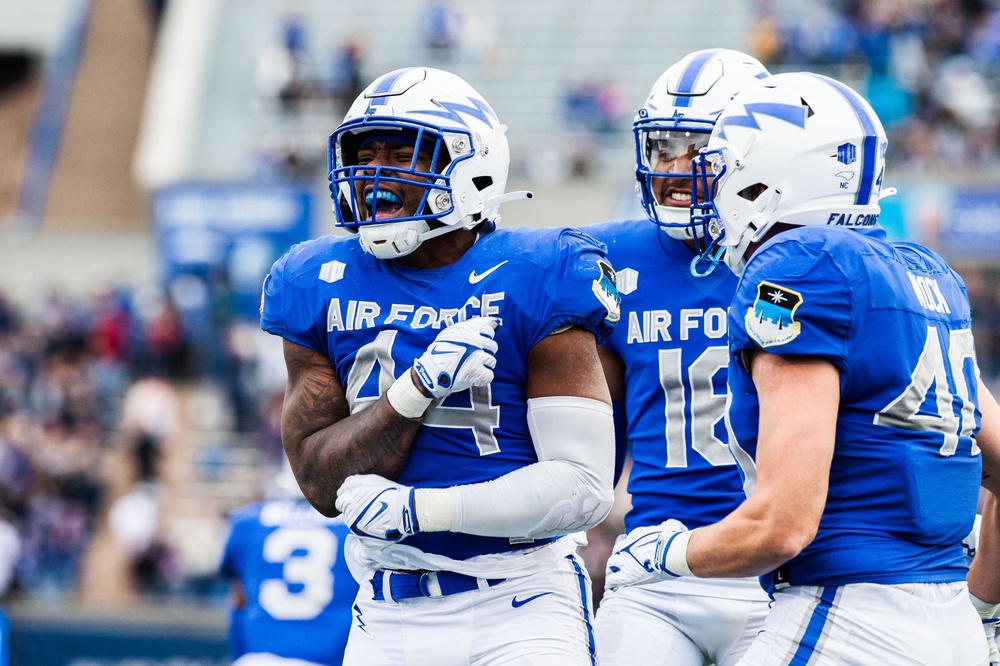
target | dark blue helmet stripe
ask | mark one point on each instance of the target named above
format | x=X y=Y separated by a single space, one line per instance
x=870 y=143
x=385 y=85
x=690 y=75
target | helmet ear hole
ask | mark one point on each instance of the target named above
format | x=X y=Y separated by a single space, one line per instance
x=482 y=182
x=342 y=205
x=751 y=192
x=349 y=148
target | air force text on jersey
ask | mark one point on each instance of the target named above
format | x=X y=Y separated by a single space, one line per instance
x=663 y=325
x=358 y=315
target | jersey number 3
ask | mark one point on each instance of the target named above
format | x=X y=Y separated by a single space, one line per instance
x=307 y=556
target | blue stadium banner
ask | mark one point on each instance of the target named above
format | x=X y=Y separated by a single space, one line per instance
x=143 y=641
x=229 y=233
x=4 y=640
x=970 y=228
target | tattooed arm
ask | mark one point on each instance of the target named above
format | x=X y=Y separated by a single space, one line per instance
x=325 y=443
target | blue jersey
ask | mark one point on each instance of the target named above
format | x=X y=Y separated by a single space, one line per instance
x=299 y=592
x=894 y=320
x=372 y=318
x=672 y=341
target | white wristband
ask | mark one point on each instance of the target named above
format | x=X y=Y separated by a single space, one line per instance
x=676 y=559
x=406 y=398
x=433 y=507
x=985 y=609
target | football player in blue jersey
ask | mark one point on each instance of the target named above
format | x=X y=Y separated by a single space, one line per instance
x=853 y=396
x=292 y=590
x=445 y=393
x=667 y=362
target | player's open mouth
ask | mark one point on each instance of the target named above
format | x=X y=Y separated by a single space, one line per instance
x=388 y=203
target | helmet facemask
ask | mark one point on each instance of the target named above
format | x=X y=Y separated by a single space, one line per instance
x=665 y=192
x=708 y=169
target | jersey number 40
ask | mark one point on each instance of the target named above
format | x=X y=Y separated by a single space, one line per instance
x=944 y=370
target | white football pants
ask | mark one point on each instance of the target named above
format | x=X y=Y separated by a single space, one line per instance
x=931 y=624
x=678 y=623
x=542 y=619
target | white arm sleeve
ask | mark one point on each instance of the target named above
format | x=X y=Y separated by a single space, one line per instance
x=567 y=490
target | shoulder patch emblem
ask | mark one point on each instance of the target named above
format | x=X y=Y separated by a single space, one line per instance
x=770 y=320
x=332 y=271
x=627 y=280
x=606 y=291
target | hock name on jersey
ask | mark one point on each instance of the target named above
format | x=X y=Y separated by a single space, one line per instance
x=929 y=293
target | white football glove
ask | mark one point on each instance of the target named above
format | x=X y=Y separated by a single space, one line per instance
x=988 y=614
x=639 y=557
x=461 y=356
x=376 y=508
x=971 y=540
x=990 y=626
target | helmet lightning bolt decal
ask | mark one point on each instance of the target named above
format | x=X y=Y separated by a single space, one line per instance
x=478 y=109
x=791 y=113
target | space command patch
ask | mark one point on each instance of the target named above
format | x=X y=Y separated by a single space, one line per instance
x=606 y=291
x=770 y=320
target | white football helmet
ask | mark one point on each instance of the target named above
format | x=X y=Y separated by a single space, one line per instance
x=442 y=115
x=675 y=123
x=797 y=148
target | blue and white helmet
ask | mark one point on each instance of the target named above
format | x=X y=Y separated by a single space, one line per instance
x=441 y=114
x=676 y=121
x=797 y=148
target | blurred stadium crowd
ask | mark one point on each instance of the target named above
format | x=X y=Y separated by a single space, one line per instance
x=89 y=388
x=88 y=402
x=930 y=69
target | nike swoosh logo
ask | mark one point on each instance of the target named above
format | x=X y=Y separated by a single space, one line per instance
x=477 y=277
x=378 y=513
x=517 y=604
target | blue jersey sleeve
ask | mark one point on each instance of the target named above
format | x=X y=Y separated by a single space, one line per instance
x=288 y=312
x=233 y=566
x=581 y=291
x=229 y=568
x=793 y=300
x=234 y=553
